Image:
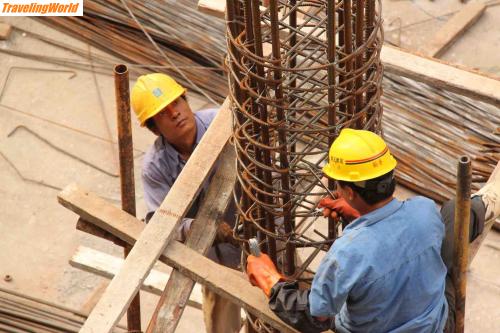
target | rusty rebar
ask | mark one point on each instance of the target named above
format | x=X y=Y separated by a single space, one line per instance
x=127 y=182
x=293 y=89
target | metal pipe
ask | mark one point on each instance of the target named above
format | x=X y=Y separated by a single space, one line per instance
x=127 y=185
x=461 y=240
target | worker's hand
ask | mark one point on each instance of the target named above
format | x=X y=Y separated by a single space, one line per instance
x=262 y=272
x=225 y=235
x=338 y=208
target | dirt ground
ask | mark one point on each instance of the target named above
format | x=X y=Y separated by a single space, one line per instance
x=57 y=127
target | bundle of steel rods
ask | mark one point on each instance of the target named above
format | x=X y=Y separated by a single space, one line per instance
x=428 y=129
x=179 y=36
x=20 y=314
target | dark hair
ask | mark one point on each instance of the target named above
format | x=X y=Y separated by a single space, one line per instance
x=374 y=190
x=150 y=123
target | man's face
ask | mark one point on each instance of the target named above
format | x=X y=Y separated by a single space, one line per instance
x=176 y=121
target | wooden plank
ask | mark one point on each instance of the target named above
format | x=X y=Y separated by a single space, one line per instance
x=169 y=310
x=436 y=73
x=160 y=229
x=216 y=8
x=106 y=265
x=223 y=281
x=454 y=28
x=440 y=74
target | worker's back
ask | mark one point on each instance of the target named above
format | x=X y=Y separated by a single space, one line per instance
x=385 y=274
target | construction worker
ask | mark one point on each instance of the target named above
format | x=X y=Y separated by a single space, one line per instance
x=387 y=272
x=161 y=105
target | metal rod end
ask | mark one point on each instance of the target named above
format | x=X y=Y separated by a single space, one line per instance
x=121 y=69
x=464 y=159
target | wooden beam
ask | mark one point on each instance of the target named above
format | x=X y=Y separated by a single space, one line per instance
x=454 y=28
x=160 y=229
x=169 y=309
x=106 y=265
x=216 y=8
x=223 y=281
x=440 y=74
x=420 y=68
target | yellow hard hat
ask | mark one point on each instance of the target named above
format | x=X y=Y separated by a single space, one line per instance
x=358 y=155
x=152 y=93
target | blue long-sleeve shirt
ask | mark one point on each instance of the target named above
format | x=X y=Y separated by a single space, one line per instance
x=385 y=273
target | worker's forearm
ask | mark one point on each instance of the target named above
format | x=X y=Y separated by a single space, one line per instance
x=292 y=306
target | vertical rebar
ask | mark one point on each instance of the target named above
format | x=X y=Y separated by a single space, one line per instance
x=233 y=15
x=332 y=109
x=370 y=28
x=264 y=128
x=127 y=183
x=348 y=84
x=360 y=24
x=256 y=127
x=341 y=28
x=461 y=240
x=289 y=266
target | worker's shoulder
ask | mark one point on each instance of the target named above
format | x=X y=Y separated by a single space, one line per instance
x=420 y=204
x=206 y=115
x=151 y=161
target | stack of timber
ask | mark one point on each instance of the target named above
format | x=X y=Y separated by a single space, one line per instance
x=426 y=126
x=20 y=313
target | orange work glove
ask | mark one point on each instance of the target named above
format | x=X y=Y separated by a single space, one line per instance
x=338 y=208
x=262 y=272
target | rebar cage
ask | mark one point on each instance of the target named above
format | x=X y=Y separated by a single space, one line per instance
x=299 y=72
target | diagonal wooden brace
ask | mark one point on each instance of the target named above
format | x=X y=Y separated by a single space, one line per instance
x=221 y=280
x=161 y=228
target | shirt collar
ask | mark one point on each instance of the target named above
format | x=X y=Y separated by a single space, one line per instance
x=374 y=216
x=200 y=130
x=172 y=152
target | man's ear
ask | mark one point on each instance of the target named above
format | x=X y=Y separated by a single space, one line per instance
x=351 y=194
x=152 y=127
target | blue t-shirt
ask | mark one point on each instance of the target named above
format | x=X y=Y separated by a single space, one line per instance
x=162 y=163
x=385 y=273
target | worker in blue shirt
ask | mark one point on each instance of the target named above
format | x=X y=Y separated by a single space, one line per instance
x=388 y=271
x=161 y=105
